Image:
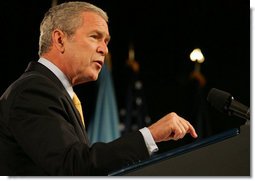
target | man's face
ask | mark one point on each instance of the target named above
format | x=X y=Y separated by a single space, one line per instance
x=85 y=51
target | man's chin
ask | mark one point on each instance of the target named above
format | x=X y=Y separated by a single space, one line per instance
x=87 y=79
x=94 y=77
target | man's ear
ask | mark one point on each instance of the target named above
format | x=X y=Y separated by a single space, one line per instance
x=58 y=40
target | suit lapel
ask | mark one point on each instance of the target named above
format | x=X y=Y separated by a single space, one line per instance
x=40 y=70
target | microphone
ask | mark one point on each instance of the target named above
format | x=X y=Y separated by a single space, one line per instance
x=225 y=102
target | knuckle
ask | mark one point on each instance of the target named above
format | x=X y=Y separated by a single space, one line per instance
x=173 y=115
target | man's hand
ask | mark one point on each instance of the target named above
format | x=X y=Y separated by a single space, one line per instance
x=172 y=127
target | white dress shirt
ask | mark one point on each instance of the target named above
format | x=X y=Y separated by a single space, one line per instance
x=149 y=141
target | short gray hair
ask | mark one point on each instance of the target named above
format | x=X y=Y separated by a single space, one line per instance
x=66 y=17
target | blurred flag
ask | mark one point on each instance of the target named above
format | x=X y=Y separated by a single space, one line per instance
x=104 y=125
x=134 y=114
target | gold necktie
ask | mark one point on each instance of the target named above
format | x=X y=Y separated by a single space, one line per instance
x=77 y=104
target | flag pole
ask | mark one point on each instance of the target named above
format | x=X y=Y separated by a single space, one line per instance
x=54 y=3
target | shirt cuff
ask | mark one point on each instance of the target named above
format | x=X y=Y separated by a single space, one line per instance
x=149 y=141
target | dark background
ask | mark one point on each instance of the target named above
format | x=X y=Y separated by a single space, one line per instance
x=163 y=34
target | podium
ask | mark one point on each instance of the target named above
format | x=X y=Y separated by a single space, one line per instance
x=223 y=154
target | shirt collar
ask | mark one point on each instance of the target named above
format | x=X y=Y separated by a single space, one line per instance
x=60 y=75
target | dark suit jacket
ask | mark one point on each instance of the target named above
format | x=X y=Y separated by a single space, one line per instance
x=41 y=132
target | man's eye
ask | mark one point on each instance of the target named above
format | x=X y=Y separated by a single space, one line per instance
x=94 y=36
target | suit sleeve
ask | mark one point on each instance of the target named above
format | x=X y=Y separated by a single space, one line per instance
x=42 y=125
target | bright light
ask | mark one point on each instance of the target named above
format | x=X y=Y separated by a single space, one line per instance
x=196 y=55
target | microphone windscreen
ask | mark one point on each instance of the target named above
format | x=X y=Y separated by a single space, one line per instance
x=219 y=99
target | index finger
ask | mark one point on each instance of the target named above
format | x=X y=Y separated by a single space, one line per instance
x=192 y=130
